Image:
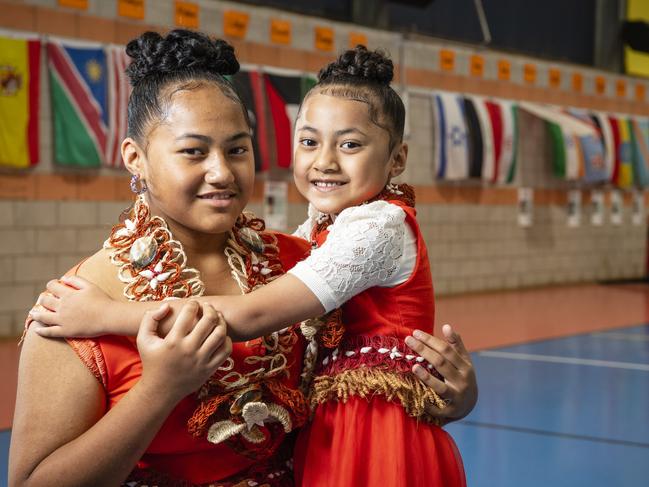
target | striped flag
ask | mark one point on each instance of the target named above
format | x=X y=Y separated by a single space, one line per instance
x=615 y=135
x=486 y=131
x=604 y=128
x=508 y=154
x=19 y=101
x=451 y=146
x=119 y=90
x=474 y=134
x=625 y=172
x=640 y=149
x=79 y=97
x=565 y=132
x=248 y=85
x=284 y=93
x=496 y=121
x=592 y=149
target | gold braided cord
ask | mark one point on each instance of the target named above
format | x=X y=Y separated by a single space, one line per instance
x=367 y=382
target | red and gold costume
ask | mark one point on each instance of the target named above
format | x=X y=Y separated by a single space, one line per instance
x=232 y=431
x=370 y=425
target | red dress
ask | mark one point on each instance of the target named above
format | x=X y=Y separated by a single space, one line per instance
x=178 y=458
x=369 y=426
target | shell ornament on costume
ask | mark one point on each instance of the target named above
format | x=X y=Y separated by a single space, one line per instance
x=143 y=251
x=252 y=239
x=156 y=276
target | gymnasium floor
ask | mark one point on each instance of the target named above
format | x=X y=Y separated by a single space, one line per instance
x=564 y=386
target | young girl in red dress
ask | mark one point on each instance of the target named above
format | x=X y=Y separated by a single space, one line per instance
x=367 y=277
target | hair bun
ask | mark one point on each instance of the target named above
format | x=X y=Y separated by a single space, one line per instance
x=179 y=49
x=361 y=65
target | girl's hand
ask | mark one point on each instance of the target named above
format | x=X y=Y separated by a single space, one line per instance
x=74 y=307
x=451 y=359
x=180 y=363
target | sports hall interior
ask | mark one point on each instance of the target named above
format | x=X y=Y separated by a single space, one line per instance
x=543 y=274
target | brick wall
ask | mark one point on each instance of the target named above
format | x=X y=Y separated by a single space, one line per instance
x=50 y=218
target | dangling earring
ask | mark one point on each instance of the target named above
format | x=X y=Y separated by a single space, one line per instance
x=138 y=186
x=393 y=188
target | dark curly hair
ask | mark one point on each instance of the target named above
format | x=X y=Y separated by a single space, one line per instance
x=365 y=76
x=180 y=60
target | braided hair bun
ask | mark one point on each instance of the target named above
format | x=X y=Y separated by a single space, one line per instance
x=179 y=50
x=359 y=65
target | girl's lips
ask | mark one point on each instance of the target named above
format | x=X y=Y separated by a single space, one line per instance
x=218 y=200
x=327 y=186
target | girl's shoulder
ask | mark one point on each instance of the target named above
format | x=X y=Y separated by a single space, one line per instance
x=99 y=270
x=384 y=213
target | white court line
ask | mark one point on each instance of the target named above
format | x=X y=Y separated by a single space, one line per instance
x=632 y=337
x=565 y=360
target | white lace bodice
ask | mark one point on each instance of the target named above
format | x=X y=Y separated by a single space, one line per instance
x=368 y=245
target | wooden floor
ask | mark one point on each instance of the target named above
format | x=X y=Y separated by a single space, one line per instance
x=488 y=320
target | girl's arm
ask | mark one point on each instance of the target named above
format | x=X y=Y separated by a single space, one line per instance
x=361 y=251
x=61 y=433
x=75 y=307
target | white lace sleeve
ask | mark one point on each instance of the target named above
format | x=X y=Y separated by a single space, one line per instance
x=364 y=248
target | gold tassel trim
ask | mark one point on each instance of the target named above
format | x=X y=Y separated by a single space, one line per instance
x=367 y=382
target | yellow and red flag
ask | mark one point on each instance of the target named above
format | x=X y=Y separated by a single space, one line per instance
x=19 y=101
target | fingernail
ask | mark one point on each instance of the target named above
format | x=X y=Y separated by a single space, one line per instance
x=411 y=342
x=418 y=334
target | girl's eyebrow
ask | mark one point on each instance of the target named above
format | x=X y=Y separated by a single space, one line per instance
x=207 y=139
x=202 y=138
x=350 y=130
x=337 y=133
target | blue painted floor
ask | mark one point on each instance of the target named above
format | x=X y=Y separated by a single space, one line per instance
x=568 y=412
x=565 y=412
x=4 y=456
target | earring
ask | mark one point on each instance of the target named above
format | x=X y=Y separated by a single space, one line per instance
x=393 y=188
x=138 y=186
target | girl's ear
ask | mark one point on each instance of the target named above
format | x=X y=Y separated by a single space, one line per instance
x=133 y=157
x=399 y=160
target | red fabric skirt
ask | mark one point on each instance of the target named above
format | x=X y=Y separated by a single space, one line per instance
x=374 y=443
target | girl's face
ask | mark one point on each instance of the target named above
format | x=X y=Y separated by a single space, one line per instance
x=198 y=161
x=341 y=157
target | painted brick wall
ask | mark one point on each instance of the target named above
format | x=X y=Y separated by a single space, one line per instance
x=51 y=218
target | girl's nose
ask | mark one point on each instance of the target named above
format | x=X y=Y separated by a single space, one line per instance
x=218 y=172
x=326 y=162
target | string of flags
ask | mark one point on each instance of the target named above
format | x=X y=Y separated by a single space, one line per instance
x=474 y=137
x=477 y=138
x=88 y=96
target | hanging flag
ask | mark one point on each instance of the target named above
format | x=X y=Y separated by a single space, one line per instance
x=496 y=122
x=592 y=149
x=248 y=85
x=474 y=136
x=604 y=128
x=19 y=101
x=625 y=173
x=565 y=132
x=119 y=90
x=615 y=132
x=284 y=94
x=79 y=97
x=508 y=154
x=640 y=150
x=486 y=131
x=452 y=158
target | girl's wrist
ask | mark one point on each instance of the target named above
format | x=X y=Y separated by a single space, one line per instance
x=157 y=396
